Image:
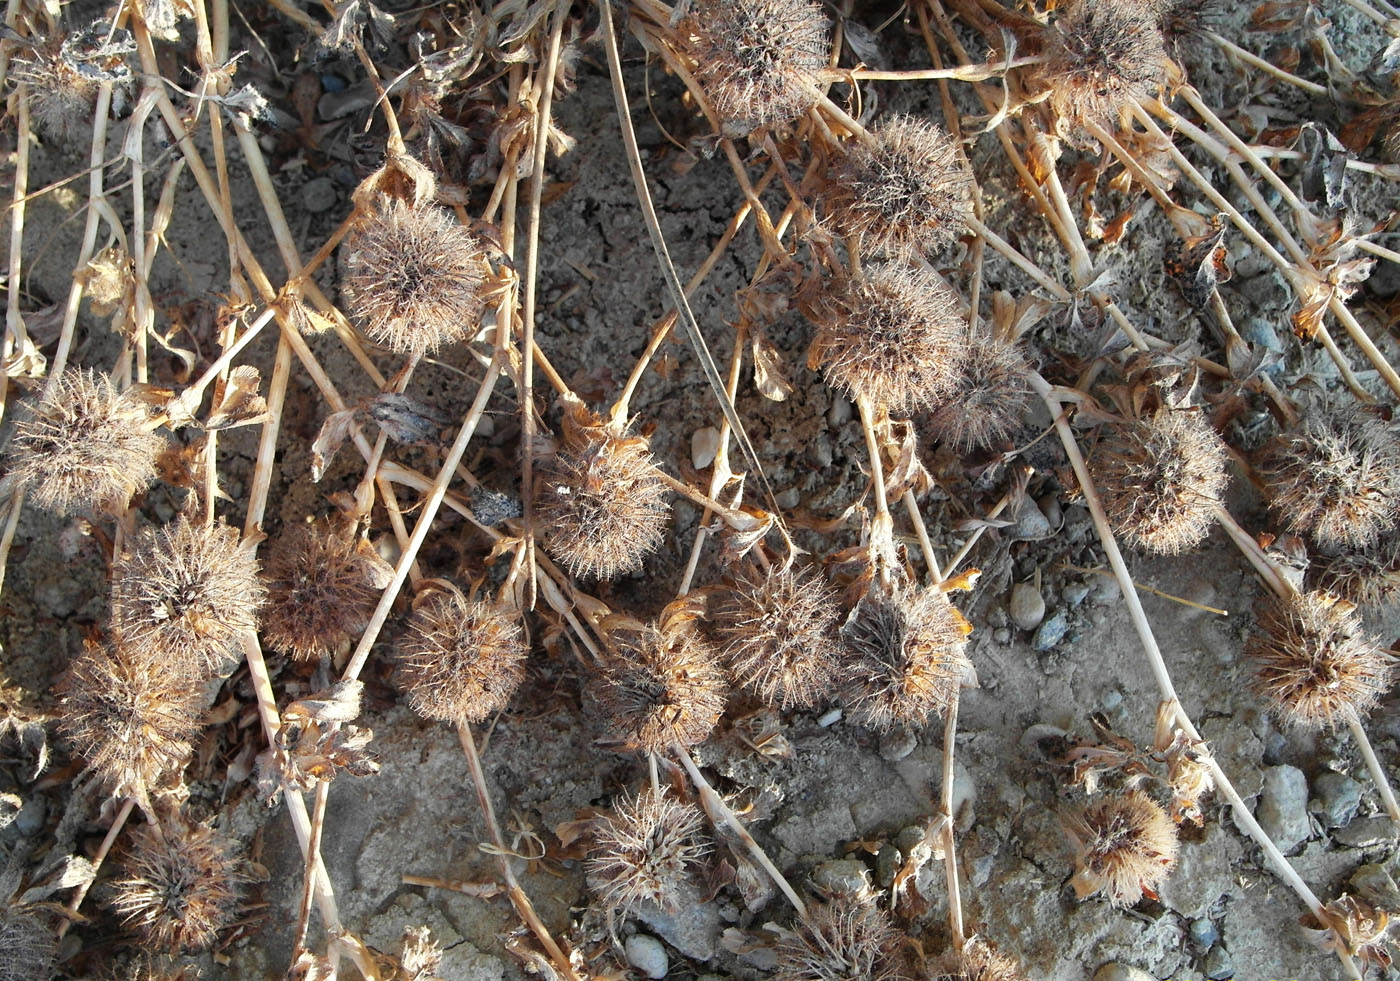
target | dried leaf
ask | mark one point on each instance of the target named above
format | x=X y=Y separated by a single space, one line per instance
x=404 y=419
x=1277 y=16
x=1325 y=176
x=236 y=401
x=339 y=703
x=768 y=374
x=866 y=46
x=1199 y=264
x=108 y=281
x=334 y=431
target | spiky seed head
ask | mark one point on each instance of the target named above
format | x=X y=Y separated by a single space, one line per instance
x=133 y=724
x=1183 y=22
x=847 y=938
x=980 y=961
x=1368 y=576
x=1125 y=846
x=87 y=447
x=757 y=59
x=660 y=687
x=1337 y=480
x=461 y=660
x=321 y=590
x=778 y=630
x=906 y=188
x=27 y=944
x=179 y=885
x=904 y=657
x=1100 y=56
x=989 y=396
x=602 y=506
x=1161 y=479
x=1313 y=661
x=415 y=278
x=183 y=593
x=62 y=99
x=645 y=851
x=894 y=336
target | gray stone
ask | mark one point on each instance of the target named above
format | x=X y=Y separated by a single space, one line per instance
x=1374 y=884
x=1203 y=932
x=1365 y=832
x=1002 y=635
x=789 y=498
x=318 y=194
x=839 y=414
x=1051 y=632
x=647 y=955
x=846 y=876
x=909 y=838
x=1283 y=806
x=887 y=862
x=1049 y=505
x=1030 y=523
x=1105 y=590
x=1218 y=965
x=1338 y=797
x=899 y=743
x=693 y=929
x=1026 y=605
x=1075 y=593
x=1114 y=971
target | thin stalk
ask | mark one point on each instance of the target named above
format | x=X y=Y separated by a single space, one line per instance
x=882 y=527
x=308 y=887
x=950 y=844
x=108 y=840
x=1373 y=764
x=1254 y=61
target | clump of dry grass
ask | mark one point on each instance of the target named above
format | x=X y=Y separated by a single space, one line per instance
x=645 y=850
x=1125 y=846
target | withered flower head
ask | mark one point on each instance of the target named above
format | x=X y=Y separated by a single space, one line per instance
x=86 y=447
x=660 y=687
x=1314 y=663
x=1124 y=846
x=905 y=189
x=778 y=631
x=989 y=397
x=645 y=850
x=63 y=75
x=757 y=59
x=1337 y=480
x=602 y=507
x=1160 y=479
x=27 y=945
x=415 y=278
x=1185 y=21
x=183 y=593
x=132 y=723
x=322 y=587
x=904 y=651
x=847 y=938
x=1101 y=55
x=1367 y=576
x=894 y=336
x=460 y=660
x=980 y=961
x=179 y=885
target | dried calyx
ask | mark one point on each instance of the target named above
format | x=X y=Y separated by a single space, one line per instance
x=847 y=937
x=1102 y=55
x=989 y=397
x=1125 y=845
x=645 y=851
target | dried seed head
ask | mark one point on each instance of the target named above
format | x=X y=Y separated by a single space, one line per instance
x=414 y=278
x=461 y=660
x=894 y=336
x=989 y=398
x=179 y=885
x=1160 y=479
x=602 y=507
x=1368 y=576
x=980 y=961
x=62 y=99
x=183 y=594
x=87 y=447
x=1101 y=55
x=906 y=188
x=778 y=630
x=645 y=851
x=26 y=945
x=845 y=939
x=322 y=587
x=1337 y=481
x=757 y=59
x=1124 y=846
x=904 y=657
x=1314 y=663
x=1184 y=22
x=657 y=688
x=133 y=724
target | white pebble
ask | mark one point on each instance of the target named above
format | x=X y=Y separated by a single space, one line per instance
x=646 y=954
x=704 y=445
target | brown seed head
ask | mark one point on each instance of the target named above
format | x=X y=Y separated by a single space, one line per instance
x=659 y=688
x=1337 y=480
x=1314 y=663
x=756 y=59
x=980 y=961
x=179 y=885
x=183 y=594
x=1184 y=22
x=602 y=508
x=321 y=590
x=894 y=336
x=1124 y=845
x=906 y=188
x=88 y=447
x=778 y=631
x=460 y=660
x=848 y=938
x=414 y=278
x=904 y=657
x=1368 y=576
x=645 y=850
x=1160 y=479
x=1101 y=55
x=989 y=397
x=27 y=945
x=61 y=98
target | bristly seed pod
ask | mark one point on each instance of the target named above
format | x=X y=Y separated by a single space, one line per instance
x=778 y=630
x=1337 y=481
x=989 y=397
x=906 y=188
x=1368 y=576
x=1102 y=55
x=904 y=657
x=645 y=851
x=894 y=336
x=847 y=938
x=415 y=278
x=980 y=961
x=183 y=593
x=323 y=585
x=1314 y=663
x=602 y=507
x=1161 y=479
x=87 y=447
x=460 y=660
x=27 y=945
x=1124 y=846
x=757 y=60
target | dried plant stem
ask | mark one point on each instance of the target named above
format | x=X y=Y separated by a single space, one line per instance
x=313 y=851
x=911 y=504
x=1388 y=171
x=976 y=535
x=477 y=890
x=950 y=843
x=963 y=73
x=1254 y=61
x=108 y=840
x=16 y=337
x=882 y=526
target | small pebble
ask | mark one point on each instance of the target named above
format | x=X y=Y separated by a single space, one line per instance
x=1374 y=884
x=820 y=451
x=1365 y=832
x=1338 y=797
x=1030 y=523
x=1051 y=632
x=1075 y=593
x=887 y=863
x=1203 y=933
x=789 y=499
x=1049 y=505
x=909 y=838
x=1026 y=606
x=839 y=414
x=1283 y=806
x=318 y=194
x=647 y=955
x=896 y=745
x=1002 y=635
x=1113 y=971
x=704 y=445
x=1218 y=965
x=829 y=718
x=845 y=876
x=1105 y=590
